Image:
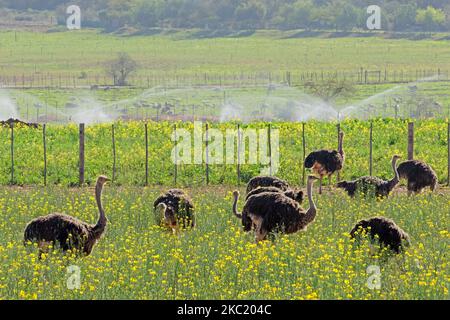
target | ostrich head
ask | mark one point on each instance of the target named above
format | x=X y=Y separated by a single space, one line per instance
x=312 y=178
x=168 y=213
x=396 y=157
x=235 y=194
x=309 y=161
x=101 y=180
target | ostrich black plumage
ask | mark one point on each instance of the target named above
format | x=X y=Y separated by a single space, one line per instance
x=267 y=181
x=68 y=232
x=174 y=209
x=418 y=174
x=386 y=231
x=326 y=162
x=294 y=194
x=372 y=186
x=274 y=212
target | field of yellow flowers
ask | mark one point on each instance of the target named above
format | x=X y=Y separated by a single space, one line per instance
x=138 y=260
x=389 y=137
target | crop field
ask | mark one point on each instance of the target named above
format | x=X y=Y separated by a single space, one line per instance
x=186 y=79
x=389 y=137
x=217 y=260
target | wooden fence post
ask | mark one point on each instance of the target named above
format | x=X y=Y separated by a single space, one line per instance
x=410 y=140
x=175 y=168
x=338 y=132
x=114 y=152
x=44 y=134
x=448 y=155
x=239 y=154
x=207 y=153
x=304 y=153
x=81 y=164
x=371 y=149
x=146 y=154
x=12 y=152
x=269 y=133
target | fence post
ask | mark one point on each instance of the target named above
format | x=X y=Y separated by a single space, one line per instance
x=371 y=149
x=12 y=152
x=146 y=154
x=338 y=132
x=448 y=156
x=410 y=140
x=175 y=168
x=114 y=153
x=207 y=153
x=44 y=133
x=270 y=148
x=304 y=153
x=81 y=165
x=239 y=154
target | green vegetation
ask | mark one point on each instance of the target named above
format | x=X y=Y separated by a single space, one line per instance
x=390 y=137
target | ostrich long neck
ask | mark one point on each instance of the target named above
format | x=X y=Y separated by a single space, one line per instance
x=341 y=145
x=310 y=214
x=101 y=222
x=236 y=213
x=394 y=181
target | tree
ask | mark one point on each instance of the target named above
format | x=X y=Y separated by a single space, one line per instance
x=121 y=68
x=430 y=18
x=331 y=89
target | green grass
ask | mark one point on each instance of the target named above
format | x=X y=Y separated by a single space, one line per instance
x=160 y=55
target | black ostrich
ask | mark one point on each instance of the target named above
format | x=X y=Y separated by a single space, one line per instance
x=418 y=174
x=295 y=194
x=267 y=181
x=274 y=212
x=68 y=232
x=326 y=162
x=372 y=186
x=384 y=230
x=174 y=209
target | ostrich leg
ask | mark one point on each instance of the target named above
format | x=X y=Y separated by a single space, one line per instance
x=329 y=181
x=320 y=184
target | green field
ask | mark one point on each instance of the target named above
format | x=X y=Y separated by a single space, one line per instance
x=389 y=137
x=182 y=54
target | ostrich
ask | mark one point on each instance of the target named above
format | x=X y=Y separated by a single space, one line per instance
x=385 y=230
x=270 y=212
x=176 y=208
x=66 y=231
x=326 y=162
x=418 y=174
x=296 y=195
x=366 y=184
x=267 y=181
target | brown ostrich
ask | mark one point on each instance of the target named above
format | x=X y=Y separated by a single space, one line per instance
x=68 y=232
x=174 y=209
x=418 y=174
x=274 y=212
x=372 y=186
x=326 y=162
x=267 y=181
x=295 y=194
x=384 y=230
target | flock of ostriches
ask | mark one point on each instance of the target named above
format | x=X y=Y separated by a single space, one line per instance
x=271 y=206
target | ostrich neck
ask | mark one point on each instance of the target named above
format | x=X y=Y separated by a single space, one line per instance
x=341 y=145
x=311 y=212
x=236 y=213
x=396 y=177
x=101 y=223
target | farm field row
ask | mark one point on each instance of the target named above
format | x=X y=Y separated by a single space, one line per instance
x=389 y=138
x=88 y=50
x=138 y=260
